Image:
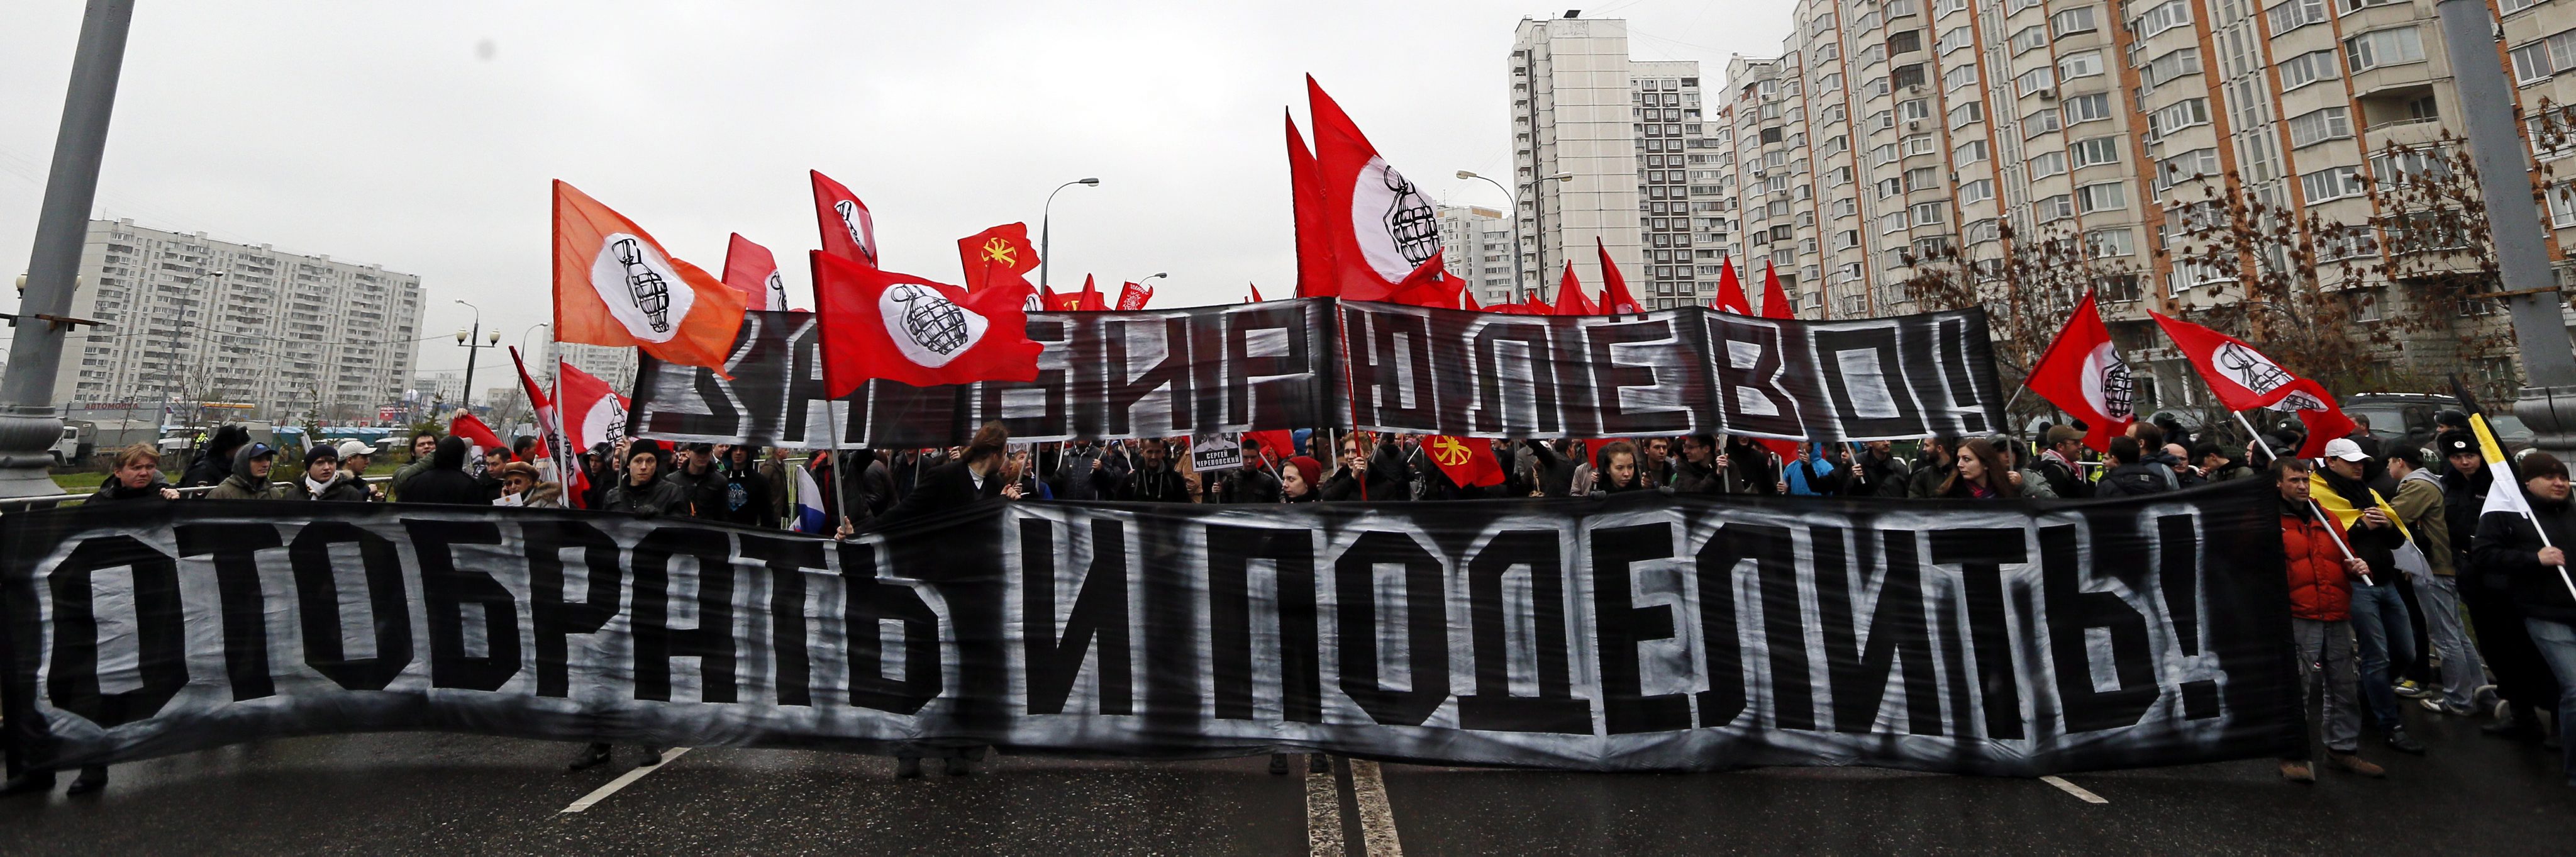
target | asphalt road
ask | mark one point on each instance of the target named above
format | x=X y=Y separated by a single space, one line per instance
x=425 y=793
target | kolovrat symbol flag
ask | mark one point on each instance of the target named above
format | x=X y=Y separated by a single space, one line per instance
x=1383 y=228
x=848 y=231
x=559 y=455
x=1133 y=297
x=616 y=286
x=2083 y=374
x=2244 y=379
x=999 y=255
x=1775 y=303
x=592 y=413
x=1615 y=299
x=1468 y=461
x=1314 y=242
x=1569 y=295
x=1730 y=291
x=750 y=268
x=881 y=324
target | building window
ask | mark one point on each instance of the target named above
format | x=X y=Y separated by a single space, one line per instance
x=1958 y=76
x=1921 y=178
x=2171 y=14
x=2101 y=243
x=2330 y=183
x=2072 y=66
x=2106 y=196
x=2383 y=47
x=2307 y=68
x=2039 y=123
x=2311 y=128
x=2052 y=209
x=1929 y=213
x=2032 y=81
x=2174 y=64
x=1977 y=191
x=2030 y=38
x=1910 y=40
x=2046 y=164
x=2072 y=21
x=2086 y=108
x=2098 y=150
x=2177 y=116
x=2293 y=14
x=2537 y=61
x=1971 y=152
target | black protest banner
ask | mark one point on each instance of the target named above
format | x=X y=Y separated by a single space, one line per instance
x=1282 y=365
x=1150 y=373
x=1641 y=632
x=1681 y=371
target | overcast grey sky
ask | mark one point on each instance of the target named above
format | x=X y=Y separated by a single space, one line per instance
x=421 y=137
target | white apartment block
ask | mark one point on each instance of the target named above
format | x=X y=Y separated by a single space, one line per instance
x=1652 y=176
x=1476 y=244
x=189 y=319
x=1887 y=131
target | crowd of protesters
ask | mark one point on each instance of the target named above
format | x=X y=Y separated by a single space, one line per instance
x=2367 y=632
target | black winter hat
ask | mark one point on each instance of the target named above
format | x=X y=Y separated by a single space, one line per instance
x=2454 y=443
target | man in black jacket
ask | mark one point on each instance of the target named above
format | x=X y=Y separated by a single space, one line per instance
x=2534 y=566
x=2128 y=474
x=646 y=490
x=1697 y=471
x=1932 y=468
x=697 y=479
x=1877 y=472
x=2379 y=612
x=1155 y=481
x=2061 y=464
x=1088 y=471
x=214 y=462
x=976 y=475
x=1388 y=479
x=746 y=491
x=2522 y=678
x=446 y=480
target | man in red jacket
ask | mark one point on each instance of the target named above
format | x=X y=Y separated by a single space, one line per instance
x=2321 y=576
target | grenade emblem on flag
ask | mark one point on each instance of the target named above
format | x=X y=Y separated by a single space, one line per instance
x=2117 y=391
x=652 y=294
x=2254 y=371
x=933 y=322
x=1409 y=219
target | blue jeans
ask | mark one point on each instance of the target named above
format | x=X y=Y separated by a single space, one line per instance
x=2376 y=611
x=2461 y=671
x=2557 y=643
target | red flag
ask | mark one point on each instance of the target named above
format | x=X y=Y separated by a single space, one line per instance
x=1276 y=444
x=1569 y=296
x=1469 y=461
x=1089 y=299
x=1775 y=303
x=559 y=454
x=881 y=324
x=1049 y=301
x=996 y=255
x=1615 y=299
x=1382 y=227
x=1536 y=304
x=749 y=267
x=848 y=231
x=1428 y=286
x=1730 y=291
x=1133 y=297
x=2244 y=379
x=593 y=413
x=2082 y=374
x=1256 y=293
x=615 y=286
x=1467 y=300
x=1314 y=243
x=469 y=428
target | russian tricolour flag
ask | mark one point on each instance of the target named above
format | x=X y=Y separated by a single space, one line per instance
x=809 y=503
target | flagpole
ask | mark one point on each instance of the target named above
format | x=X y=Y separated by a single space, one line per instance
x=2487 y=435
x=840 y=486
x=2333 y=528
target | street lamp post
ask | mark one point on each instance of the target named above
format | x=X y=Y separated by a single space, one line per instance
x=1046 y=253
x=467 y=339
x=1538 y=213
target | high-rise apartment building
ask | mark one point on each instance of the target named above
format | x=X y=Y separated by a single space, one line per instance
x=1476 y=245
x=2106 y=137
x=188 y=319
x=1651 y=176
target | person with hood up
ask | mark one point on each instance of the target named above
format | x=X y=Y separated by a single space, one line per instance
x=445 y=480
x=2321 y=581
x=645 y=490
x=249 y=479
x=214 y=463
x=2535 y=566
x=137 y=477
x=322 y=479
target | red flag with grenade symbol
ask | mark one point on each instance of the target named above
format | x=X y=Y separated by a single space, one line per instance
x=848 y=230
x=881 y=324
x=999 y=255
x=592 y=412
x=1383 y=229
x=750 y=268
x=2244 y=379
x=471 y=429
x=2083 y=375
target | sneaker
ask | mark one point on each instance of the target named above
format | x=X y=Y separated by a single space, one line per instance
x=2398 y=741
x=2410 y=690
x=92 y=778
x=2298 y=772
x=2484 y=697
x=594 y=757
x=2355 y=764
x=1278 y=764
x=652 y=756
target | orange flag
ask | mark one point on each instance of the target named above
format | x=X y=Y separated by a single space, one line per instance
x=616 y=286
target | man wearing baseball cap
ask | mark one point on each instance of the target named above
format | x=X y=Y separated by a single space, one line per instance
x=355 y=457
x=2380 y=620
x=249 y=480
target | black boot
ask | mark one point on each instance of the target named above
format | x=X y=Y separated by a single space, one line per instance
x=29 y=783
x=957 y=766
x=652 y=756
x=92 y=778
x=907 y=767
x=1278 y=764
x=1318 y=763
x=594 y=757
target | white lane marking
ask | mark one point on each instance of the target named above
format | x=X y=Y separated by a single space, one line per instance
x=623 y=780
x=1323 y=813
x=2070 y=788
x=1377 y=819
